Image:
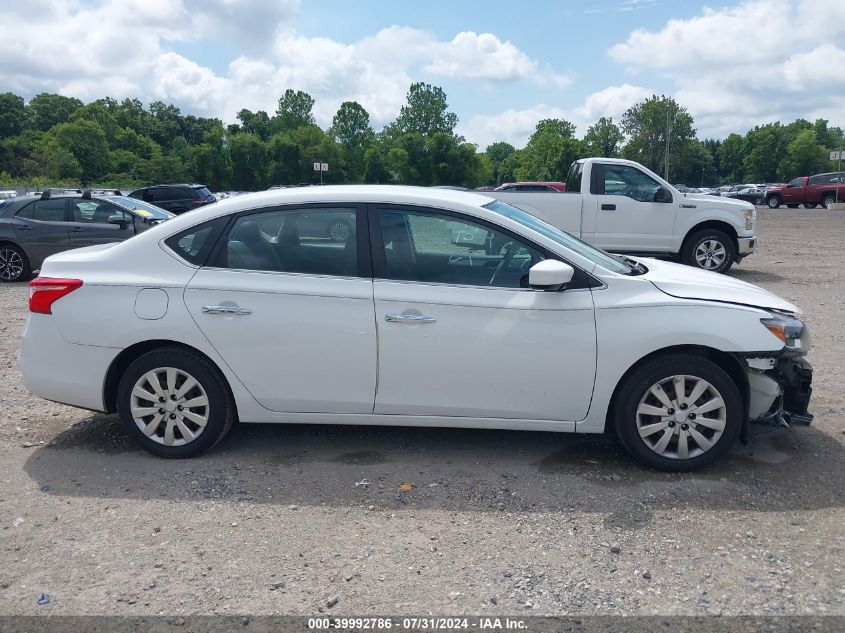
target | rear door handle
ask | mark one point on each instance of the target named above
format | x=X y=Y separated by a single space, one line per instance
x=608 y=207
x=409 y=318
x=225 y=310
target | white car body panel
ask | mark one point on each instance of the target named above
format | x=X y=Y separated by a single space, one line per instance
x=494 y=358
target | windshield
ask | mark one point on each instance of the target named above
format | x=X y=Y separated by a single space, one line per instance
x=147 y=211
x=595 y=255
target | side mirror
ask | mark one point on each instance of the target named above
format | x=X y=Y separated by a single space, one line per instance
x=662 y=195
x=119 y=220
x=550 y=274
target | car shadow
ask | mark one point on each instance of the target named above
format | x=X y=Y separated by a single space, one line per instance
x=448 y=469
x=755 y=276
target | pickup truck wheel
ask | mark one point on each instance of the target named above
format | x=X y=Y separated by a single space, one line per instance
x=807 y=205
x=710 y=249
x=678 y=413
x=773 y=202
x=828 y=200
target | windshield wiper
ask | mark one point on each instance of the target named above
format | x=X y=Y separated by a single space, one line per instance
x=636 y=267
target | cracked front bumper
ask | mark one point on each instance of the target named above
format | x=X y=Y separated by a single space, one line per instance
x=780 y=390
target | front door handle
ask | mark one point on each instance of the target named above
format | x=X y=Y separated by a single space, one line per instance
x=225 y=310
x=608 y=207
x=23 y=227
x=409 y=318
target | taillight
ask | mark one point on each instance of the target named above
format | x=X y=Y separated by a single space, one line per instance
x=45 y=291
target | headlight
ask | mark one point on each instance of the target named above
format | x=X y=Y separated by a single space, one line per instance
x=792 y=332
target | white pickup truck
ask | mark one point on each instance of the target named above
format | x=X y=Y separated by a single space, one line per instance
x=622 y=207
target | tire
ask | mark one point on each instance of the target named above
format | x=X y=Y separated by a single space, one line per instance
x=709 y=249
x=658 y=441
x=807 y=205
x=14 y=264
x=166 y=438
x=792 y=206
x=828 y=200
x=773 y=202
x=339 y=231
x=758 y=202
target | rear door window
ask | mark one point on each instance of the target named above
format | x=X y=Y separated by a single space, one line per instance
x=49 y=210
x=195 y=244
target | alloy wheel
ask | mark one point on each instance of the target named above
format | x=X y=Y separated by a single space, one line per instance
x=681 y=417
x=11 y=264
x=710 y=254
x=169 y=406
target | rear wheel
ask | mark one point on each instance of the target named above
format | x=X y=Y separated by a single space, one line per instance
x=773 y=202
x=828 y=200
x=14 y=265
x=175 y=403
x=710 y=249
x=678 y=413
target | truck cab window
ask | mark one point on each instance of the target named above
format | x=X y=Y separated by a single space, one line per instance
x=624 y=180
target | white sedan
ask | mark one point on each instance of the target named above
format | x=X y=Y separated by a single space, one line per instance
x=246 y=311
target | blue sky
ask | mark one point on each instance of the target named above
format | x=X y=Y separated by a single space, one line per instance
x=504 y=65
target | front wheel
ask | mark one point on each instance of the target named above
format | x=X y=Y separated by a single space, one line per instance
x=773 y=202
x=678 y=413
x=14 y=265
x=710 y=249
x=175 y=403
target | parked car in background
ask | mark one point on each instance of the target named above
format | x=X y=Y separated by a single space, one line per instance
x=176 y=198
x=622 y=207
x=811 y=191
x=33 y=228
x=5 y=195
x=233 y=314
x=755 y=195
x=548 y=187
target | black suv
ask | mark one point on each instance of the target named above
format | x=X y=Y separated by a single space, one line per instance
x=175 y=198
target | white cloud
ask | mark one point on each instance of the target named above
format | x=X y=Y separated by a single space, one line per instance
x=58 y=46
x=516 y=125
x=756 y=62
x=485 y=56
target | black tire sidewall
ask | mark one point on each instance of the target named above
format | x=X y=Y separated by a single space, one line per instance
x=698 y=237
x=221 y=414
x=773 y=202
x=26 y=272
x=648 y=374
x=827 y=201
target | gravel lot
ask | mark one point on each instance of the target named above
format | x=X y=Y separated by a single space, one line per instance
x=272 y=521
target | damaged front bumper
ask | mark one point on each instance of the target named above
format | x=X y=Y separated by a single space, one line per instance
x=779 y=390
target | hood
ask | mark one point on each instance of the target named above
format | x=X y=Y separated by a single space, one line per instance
x=686 y=282
x=725 y=199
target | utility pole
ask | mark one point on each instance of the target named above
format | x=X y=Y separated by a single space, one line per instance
x=668 y=135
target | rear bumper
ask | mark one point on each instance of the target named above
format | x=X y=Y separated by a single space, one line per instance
x=60 y=371
x=746 y=245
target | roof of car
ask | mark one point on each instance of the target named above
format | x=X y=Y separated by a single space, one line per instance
x=195 y=185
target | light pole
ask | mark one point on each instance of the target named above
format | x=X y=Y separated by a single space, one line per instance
x=668 y=136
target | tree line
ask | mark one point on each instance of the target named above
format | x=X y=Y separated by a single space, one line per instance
x=54 y=139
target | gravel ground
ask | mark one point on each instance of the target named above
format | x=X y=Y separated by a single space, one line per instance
x=273 y=521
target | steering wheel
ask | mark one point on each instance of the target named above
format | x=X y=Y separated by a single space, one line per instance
x=506 y=260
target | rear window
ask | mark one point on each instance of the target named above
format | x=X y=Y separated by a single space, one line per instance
x=573 y=178
x=195 y=244
x=203 y=192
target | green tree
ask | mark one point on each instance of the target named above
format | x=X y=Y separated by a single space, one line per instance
x=764 y=149
x=46 y=110
x=647 y=124
x=375 y=165
x=248 y=155
x=804 y=156
x=351 y=128
x=283 y=160
x=12 y=115
x=603 y=138
x=56 y=162
x=549 y=152
x=257 y=123
x=293 y=111
x=732 y=158
x=497 y=153
x=425 y=112
x=86 y=140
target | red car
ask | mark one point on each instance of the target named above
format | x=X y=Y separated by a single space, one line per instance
x=548 y=187
x=811 y=191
